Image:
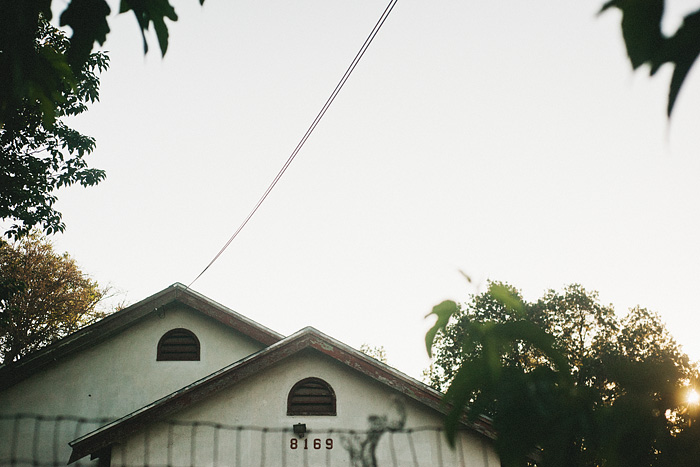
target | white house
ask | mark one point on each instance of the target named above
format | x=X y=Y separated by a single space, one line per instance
x=180 y=380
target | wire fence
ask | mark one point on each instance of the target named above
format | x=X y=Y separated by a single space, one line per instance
x=42 y=441
x=38 y=440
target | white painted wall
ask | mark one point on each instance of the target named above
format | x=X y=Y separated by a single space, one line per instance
x=121 y=375
x=116 y=377
x=261 y=401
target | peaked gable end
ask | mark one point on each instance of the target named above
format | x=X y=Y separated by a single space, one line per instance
x=176 y=295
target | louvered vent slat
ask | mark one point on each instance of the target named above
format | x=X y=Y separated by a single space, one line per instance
x=178 y=345
x=311 y=396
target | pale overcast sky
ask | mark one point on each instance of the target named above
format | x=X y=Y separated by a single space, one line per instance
x=507 y=139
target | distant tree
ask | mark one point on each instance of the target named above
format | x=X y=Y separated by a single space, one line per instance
x=377 y=352
x=44 y=296
x=38 y=154
x=575 y=318
x=565 y=381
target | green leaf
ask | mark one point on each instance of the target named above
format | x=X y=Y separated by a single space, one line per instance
x=646 y=43
x=684 y=48
x=88 y=19
x=443 y=311
x=504 y=296
x=155 y=11
x=466 y=276
x=641 y=28
x=162 y=34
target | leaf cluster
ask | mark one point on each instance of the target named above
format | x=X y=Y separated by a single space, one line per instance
x=38 y=154
x=40 y=74
x=564 y=381
x=44 y=296
x=647 y=44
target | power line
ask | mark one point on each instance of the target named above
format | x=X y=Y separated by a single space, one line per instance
x=310 y=130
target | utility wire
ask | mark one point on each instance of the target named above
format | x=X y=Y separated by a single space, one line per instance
x=310 y=130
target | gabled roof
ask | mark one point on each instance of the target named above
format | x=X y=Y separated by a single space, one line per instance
x=14 y=372
x=308 y=338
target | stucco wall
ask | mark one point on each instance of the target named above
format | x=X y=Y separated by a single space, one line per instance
x=260 y=401
x=118 y=376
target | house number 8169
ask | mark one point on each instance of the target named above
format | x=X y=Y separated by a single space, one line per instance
x=315 y=444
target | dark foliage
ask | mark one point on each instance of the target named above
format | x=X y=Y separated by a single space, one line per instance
x=565 y=381
x=41 y=75
x=647 y=44
x=39 y=154
x=28 y=75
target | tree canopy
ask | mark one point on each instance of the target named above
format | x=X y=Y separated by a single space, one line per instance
x=38 y=154
x=44 y=296
x=565 y=380
x=377 y=352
